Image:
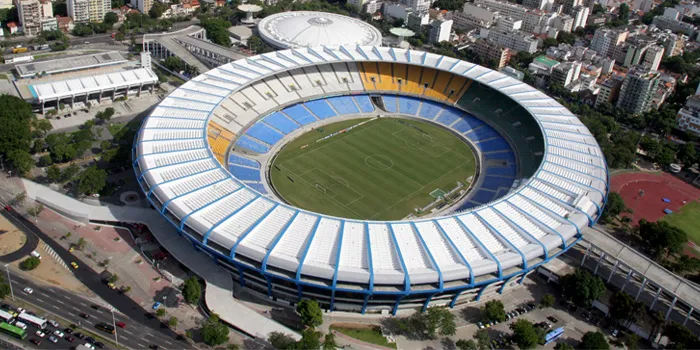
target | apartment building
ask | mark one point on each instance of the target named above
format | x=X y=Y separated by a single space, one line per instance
x=513 y=39
x=29 y=13
x=580 y=15
x=609 y=90
x=637 y=91
x=78 y=10
x=440 y=30
x=97 y=9
x=565 y=73
x=606 y=40
x=653 y=57
x=489 y=51
x=688 y=117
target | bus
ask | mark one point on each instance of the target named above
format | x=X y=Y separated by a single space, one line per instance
x=16 y=332
x=105 y=327
x=35 y=321
x=553 y=335
x=5 y=316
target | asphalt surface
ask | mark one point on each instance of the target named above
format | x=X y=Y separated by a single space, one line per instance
x=147 y=324
x=29 y=246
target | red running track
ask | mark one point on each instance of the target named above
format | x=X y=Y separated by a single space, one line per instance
x=656 y=187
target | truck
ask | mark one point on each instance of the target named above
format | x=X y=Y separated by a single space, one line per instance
x=19 y=50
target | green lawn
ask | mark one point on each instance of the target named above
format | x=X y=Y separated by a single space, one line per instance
x=373 y=335
x=687 y=219
x=381 y=170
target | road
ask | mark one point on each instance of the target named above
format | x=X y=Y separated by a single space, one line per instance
x=91 y=279
x=69 y=306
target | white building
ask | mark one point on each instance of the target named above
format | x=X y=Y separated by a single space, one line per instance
x=539 y=4
x=508 y=23
x=475 y=16
x=29 y=13
x=420 y=5
x=637 y=91
x=512 y=39
x=416 y=20
x=563 y=23
x=688 y=117
x=440 y=30
x=606 y=40
x=142 y=5
x=580 y=15
x=653 y=57
x=566 y=73
x=78 y=10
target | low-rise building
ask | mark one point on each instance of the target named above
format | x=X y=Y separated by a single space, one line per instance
x=565 y=73
x=609 y=90
x=513 y=39
x=688 y=117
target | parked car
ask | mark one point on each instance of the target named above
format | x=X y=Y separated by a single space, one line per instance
x=84 y=315
x=53 y=339
x=40 y=334
x=53 y=323
x=156 y=305
x=36 y=341
x=121 y=324
x=99 y=345
x=480 y=325
x=69 y=338
x=552 y=319
x=79 y=335
x=68 y=330
x=58 y=333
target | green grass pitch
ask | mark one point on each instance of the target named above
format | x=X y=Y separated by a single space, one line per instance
x=687 y=219
x=381 y=170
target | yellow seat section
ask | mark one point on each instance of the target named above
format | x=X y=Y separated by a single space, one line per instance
x=456 y=88
x=219 y=139
x=370 y=75
x=387 y=79
x=427 y=80
x=413 y=85
x=438 y=89
x=400 y=71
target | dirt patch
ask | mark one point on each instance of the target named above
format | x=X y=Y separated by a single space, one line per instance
x=11 y=239
x=354 y=326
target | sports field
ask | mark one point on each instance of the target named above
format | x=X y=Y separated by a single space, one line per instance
x=381 y=170
x=688 y=220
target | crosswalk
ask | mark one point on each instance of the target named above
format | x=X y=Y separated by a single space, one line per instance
x=53 y=254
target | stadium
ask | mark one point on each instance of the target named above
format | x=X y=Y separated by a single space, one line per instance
x=239 y=158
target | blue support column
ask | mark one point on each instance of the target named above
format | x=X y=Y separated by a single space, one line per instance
x=371 y=269
x=306 y=252
x=481 y=292
x=337 y=262
x=455 y=297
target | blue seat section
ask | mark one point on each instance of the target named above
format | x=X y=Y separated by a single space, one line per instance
x=467 y=205
x=449 y=116
x=502 y=192
x=320 y=108
x=257 y=186
x=235 y=159
x=390 y=104
x=507 y=171
x=365 y=103
x=344 y=104
x=493 y=145
x=467 y=123
x=247 y=142
x=482 y=196
x=280 y=122
x=494 y=183
x=264 y=133
x=508 y=156
x=245 y=174
x=299 y=114
x=483 y=133
x=409 y=105
x=430 y=109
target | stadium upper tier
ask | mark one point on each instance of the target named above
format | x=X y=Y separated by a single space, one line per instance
x=347 y=264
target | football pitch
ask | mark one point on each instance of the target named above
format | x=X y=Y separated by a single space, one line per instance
x=381 y=170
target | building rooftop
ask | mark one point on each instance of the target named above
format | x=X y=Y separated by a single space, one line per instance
x=69 y=64
x=547 y=61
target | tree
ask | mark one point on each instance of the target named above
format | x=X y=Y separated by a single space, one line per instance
x=582 y=287
x=82 y=30
x=160 y=312
x=217 y=29
x=524 y=334
x=30 y=263
x=466 y=344
x=594 y=341
x=214 y=332
x=687 y=154
x=281 y=341
x=483 y=339
x=680 y=337
x=21 y=160
x=15 y=133
x=550 y=42
x=329 y=342
x=310 y=339
x=81 y=243
x=92 y=180
x=42 y=127
x=172 y=322
x=624 y=308
x=69 y=173
x=4 y=290
x=257 y=45
x=686 y=265
x=192 y=291
x=174 y=63
x=661 y=238
x=157 y=9
x=53 y=173
x=632 y=341
x=563 y=346
x=547 y=300
x=310 y=313
x=493 y=310
x=623 y=12
x=613 y=207
x=110 y=18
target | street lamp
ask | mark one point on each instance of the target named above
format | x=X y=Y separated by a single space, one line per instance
x=9 y=281
x=114 y=324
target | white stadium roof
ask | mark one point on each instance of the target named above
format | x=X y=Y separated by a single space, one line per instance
x=91 y=84
x=546 y=211
x=296 y=29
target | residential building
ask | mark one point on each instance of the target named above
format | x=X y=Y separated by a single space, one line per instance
x=46 y=8
x=48 y=24
x=606 y=40
x=395 y=11
x=688 y=117
x=97 y=9
x=65 y=24
x=653 y=57
x=637 y=91
x=539 y=4
x=565 y=73
x=78 y=10
x=475 y=16
x=513 y=39
x=12 y=27
x=671 y=20
x=420 y=5
x=359 y=4
x=580 y=15
x=508 y=23
x=373 y=6
x=542 y=65
x=609 y=90
x=490 y=51
x=567 y=6
x=563 y=23
x=440 y=30
x=513 y=73
x=673 y=43
x=416 y=20
x=29 y=13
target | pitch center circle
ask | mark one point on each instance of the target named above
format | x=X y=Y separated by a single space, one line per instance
x=379 y=162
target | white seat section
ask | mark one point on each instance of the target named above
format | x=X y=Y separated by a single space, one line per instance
x=314 y=76
x=167 y=123
x=195 y=96
x=219 y=210
x=243 y=106
x=212 y=87
x=543 y=216
x=461 y=240
x=181 y=170
x=171 y=135
x=559 y=183
x=287 y=81
x=260 y=102
x=558 y=119
x=414 y=256
x=349 y=74
x=172 y=102
x=568 y=136
x=583 y=158
x=208 y=195
x=504 y=228
x=323 y=249
x=483 y=234
x=519 y=219
x=179 y=187
x=167 y=146
x=333 y=84
x=545 y=201
x=553 y=191
x=259 y=240
x=290 y=248
x=305 y=87
x=385 y=260
x=224 y=118
x=158 y=160
x=229 y=231
x=282 y=95
x=354 y=261
x=450 y=264
x=178 y=113
x=568 y=174
x=578 y=147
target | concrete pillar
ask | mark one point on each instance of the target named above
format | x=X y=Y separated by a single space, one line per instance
x=629 y=274
x=595 y=271
x=583 y=260
x=690 y=312
x=656 y=298
x=612 y=272
x=481 y=292
x=641 y=288
x=43 y=106
x=670 y=308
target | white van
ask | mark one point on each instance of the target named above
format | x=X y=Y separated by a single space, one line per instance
x=36 y=255
x=20 y=325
